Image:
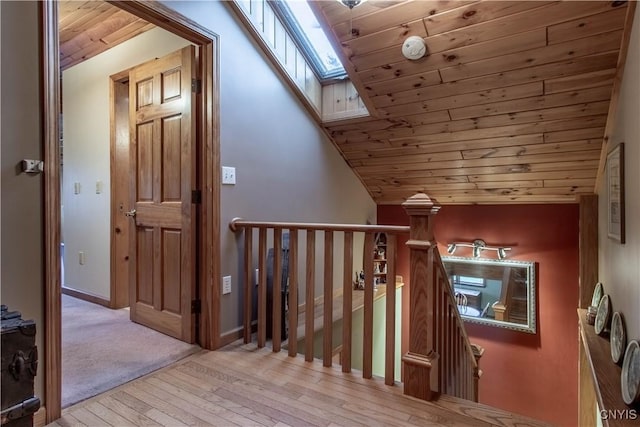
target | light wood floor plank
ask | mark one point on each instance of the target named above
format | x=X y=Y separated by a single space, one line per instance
x=89 y=419
x=144 y=393
x=245 y=386
x=69 y=420
x=197 y=404
x=260 y=392
x=200 y=416
x=127 y=412
x=109 y=416
x=205 y=391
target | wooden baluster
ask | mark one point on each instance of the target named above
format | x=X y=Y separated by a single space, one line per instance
x=440 y=335
x=451 y=347
x=367 y=340
x=390 y=332
x=327 y=329
x=248 y=283
x=420 y=362
x=469 y=378
x=309 y=307
x=293 y=292
x=347 y=301
x=465 y=368
x=456 y=367
x=444 y=322
x=262 y=287
x=276 y=298
x=458 y=358
x=476 y=384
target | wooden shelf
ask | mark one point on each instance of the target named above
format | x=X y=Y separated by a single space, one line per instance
x=605 y=375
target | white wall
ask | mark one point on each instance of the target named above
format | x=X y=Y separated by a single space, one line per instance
x=619 y=264
x=286 y=168
x=86 y=224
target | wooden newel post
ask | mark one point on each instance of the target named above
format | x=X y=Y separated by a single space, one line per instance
x=420 y=362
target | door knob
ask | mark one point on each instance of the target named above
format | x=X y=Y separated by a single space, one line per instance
x=131 y=213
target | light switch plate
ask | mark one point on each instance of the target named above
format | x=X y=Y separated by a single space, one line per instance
x=228 y=175
x=226 y=285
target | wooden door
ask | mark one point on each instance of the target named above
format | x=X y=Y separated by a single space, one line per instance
x=162 y=157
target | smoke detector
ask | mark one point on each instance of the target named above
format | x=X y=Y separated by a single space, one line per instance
x=414 y=48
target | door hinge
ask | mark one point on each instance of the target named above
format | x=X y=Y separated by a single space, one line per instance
x=196 y=197
x=196 y=85
x=196 y=306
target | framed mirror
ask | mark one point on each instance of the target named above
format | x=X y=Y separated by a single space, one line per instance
x=494 y=292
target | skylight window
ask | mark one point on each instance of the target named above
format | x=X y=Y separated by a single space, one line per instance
x=310 y=37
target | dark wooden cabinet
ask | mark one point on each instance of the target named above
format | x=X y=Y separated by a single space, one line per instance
x=19 y=367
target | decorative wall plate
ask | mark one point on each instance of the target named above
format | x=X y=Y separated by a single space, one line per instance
x=603 y=315
x=618 y=337
x=597 y=295
x=630 y=377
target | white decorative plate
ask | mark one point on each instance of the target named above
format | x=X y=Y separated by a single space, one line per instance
x=603 y=315
x=630 y=377
x=597 y=295
x=618 y=337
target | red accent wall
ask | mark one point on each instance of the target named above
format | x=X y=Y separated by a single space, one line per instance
x=533 y=375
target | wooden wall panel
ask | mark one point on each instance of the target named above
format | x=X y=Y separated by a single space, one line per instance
x=588 y=248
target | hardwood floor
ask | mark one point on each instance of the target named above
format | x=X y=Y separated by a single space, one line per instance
x=246 y=386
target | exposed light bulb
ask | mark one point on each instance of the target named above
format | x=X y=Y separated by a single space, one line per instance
x=476 y=251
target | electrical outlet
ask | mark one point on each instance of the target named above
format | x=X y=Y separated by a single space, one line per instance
x=226 y=285
x=228 y=175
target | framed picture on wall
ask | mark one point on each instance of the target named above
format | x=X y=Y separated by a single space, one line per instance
x=615 y=193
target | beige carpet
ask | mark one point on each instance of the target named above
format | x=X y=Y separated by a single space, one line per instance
x=102 y=348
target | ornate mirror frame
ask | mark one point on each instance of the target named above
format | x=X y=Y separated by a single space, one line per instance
x=483 y=297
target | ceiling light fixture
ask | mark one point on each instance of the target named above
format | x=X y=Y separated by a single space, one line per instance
x=478 y=246
x=351 y=3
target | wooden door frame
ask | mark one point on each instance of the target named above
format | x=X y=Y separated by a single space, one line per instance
x=208 y=152
x=119 y=292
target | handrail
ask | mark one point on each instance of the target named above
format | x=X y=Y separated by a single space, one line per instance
x=440 y=358
x=307 y=282
x=369 y=228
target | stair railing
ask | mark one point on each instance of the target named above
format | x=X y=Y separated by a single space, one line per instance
x=273 y=231
x=440 y=358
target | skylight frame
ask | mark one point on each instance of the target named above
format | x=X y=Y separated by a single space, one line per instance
x=304 y=43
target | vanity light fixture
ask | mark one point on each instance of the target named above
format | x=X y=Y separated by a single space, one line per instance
x=478 y=246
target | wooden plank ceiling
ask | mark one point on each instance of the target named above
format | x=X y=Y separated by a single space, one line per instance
x=88 y=28
x=509 y=107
